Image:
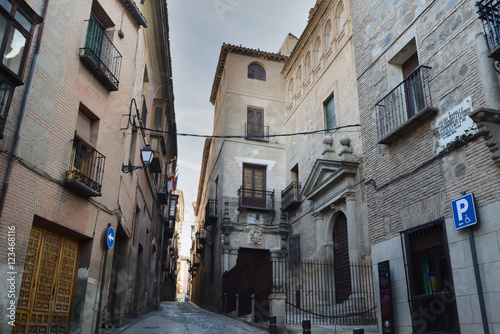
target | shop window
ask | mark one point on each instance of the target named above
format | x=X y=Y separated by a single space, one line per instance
x=430 y=279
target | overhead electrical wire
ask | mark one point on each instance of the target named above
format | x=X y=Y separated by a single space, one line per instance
x=250 y=136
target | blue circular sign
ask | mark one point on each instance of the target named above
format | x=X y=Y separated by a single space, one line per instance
x=110 y=237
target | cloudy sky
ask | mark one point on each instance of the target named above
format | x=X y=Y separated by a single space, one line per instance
x=197 y=30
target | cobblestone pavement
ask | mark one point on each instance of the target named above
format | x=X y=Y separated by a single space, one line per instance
x=185 y=318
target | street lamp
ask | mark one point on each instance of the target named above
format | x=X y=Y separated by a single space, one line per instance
x=146 y=155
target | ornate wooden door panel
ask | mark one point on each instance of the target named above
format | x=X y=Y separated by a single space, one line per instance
x=47 y=286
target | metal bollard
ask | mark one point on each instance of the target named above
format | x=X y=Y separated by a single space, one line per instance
x=272 y=325
x=306 y=326
x=358 y=331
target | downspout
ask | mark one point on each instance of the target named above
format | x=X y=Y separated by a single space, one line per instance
x=22 y=112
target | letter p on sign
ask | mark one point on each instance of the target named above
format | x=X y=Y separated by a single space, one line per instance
x=462 y=206
x=464 y=212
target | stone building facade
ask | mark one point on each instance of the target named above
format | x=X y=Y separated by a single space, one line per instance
x=242 y=172
x=308 y=91
x=73 y=129
x=421 y=69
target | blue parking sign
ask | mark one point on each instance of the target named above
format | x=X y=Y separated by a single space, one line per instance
x=464 y=212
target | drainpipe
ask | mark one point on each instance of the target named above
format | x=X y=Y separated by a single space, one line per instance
x=22 y=112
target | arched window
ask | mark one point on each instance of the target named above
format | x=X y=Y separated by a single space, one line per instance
x=255 y=71
x=308 y=65
x=299 y=77
x=340 y=17
x=328 y=33
x=317 y=50
x=291 y=90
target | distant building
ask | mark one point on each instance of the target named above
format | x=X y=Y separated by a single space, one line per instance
x=268 y=201
x=408 y=93
x=237 y=212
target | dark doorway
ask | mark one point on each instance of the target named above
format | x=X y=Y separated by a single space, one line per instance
x=252 y=275
x=342 y=269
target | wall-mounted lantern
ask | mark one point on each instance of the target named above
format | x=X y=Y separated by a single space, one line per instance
x=146 y=156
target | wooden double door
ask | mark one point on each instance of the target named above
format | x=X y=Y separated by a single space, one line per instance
x=48 y=283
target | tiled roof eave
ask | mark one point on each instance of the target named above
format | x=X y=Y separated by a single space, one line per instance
x=228 y=48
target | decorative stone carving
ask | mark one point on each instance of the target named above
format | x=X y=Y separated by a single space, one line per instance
x=255 y=235
x=346 y=152
x=328 y=151
x=488 y=124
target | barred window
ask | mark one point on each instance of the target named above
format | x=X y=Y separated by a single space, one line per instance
x=294 y=249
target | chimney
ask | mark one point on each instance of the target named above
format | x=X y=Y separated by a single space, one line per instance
x=314 y=9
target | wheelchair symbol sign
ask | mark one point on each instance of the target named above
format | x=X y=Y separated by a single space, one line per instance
x=464 y=212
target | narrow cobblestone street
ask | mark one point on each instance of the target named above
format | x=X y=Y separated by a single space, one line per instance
x=185 y=318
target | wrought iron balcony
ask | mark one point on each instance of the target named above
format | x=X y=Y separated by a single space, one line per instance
x=404 y=106
x=100 y=56
x=489 y=14
x=86 y=172
x=161 y=188
x=211 y=213
x=255 y=199
x=290 y=197
x=256 y=132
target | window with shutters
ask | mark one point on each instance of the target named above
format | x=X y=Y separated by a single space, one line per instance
x=86 y=164
x=254 y=186
x=329 y=108
x=255 y=128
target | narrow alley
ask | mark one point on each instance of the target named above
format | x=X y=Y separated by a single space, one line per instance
x=185 y=318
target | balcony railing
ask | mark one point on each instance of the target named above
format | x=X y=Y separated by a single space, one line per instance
x=411 y=99
x=255 y=199
x=290 y=197
x=211 y=213
x=161 y=188
x=100 y=56
x=256 y=132
x=489 y=14
x=86 y=180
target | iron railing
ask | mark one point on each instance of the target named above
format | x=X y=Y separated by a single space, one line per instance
x=249 y=198
x=405 y=101
x=211 y=213
x=101 y=55
x=489 y=14
x=86 y=177
x=256 y=132
x=312 y=293
x=290 y=196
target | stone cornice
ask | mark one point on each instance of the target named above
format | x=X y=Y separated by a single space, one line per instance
x=134 y=12
x=330 y=177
